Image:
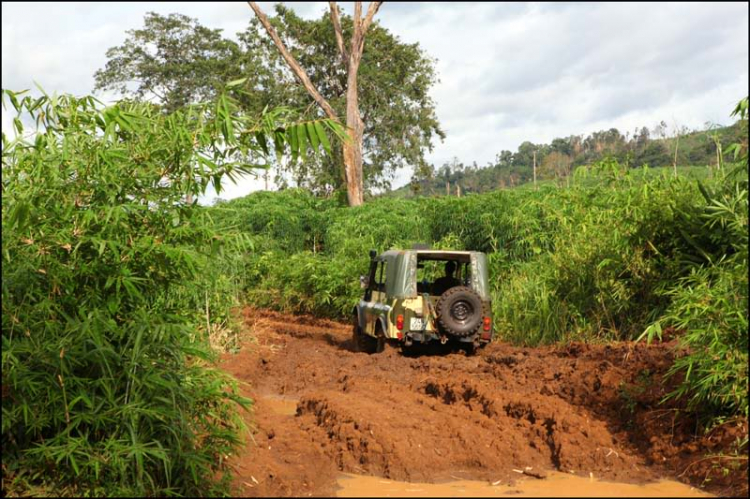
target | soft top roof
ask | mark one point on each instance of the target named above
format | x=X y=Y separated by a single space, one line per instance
x=459 y=256
x=462 y=256
x=401 y=269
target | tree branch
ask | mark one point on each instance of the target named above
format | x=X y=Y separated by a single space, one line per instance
x=357 y=34
x=361 y=26
x=371 y=11
x=295 y=67
x=339 y=34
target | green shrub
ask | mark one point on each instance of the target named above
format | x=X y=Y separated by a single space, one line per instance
x=291 y=220
x=381 y=224
x=710 y=305
x=708 y=302
x=617 y=251
x=111 y=281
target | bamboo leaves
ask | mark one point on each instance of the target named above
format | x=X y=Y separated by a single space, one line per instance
x=310 y=136
x=104 y=277
x=322 y=136
x=245 y=138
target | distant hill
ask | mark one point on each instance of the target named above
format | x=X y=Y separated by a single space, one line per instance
x=562 y=156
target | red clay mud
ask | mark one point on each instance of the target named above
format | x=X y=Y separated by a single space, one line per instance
x=578 y=409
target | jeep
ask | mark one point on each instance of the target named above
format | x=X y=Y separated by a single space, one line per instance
x=420 y=296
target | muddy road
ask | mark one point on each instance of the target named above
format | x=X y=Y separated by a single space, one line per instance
x=506 y=413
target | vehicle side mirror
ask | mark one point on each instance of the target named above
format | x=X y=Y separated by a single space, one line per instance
x=364 y=281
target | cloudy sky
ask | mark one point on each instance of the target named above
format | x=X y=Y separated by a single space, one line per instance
x=508 y=72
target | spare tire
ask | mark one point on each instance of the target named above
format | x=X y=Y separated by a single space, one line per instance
x=459 y=311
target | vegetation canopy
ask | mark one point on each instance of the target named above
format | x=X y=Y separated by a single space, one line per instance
x=112 y=281
x=619 y=252
x=176 y=61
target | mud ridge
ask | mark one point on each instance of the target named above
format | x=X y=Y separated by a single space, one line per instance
x=580 y=409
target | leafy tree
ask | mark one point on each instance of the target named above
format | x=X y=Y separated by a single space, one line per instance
x=351 y=58
x=641 y=137
x=386 y=80
x=653 y=154
x=555 y=165
x=173 y=59
x=422 y=178
x=504 y=159
x=562 y=146
x=525 y=154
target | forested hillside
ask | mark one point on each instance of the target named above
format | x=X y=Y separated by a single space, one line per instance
x=558 y=160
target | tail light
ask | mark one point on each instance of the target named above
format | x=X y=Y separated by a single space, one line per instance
x=487 y=324
x=400 y=322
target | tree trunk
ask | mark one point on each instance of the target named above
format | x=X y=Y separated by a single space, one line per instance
x=353 y=168
x=355 y=129
x=352 y=149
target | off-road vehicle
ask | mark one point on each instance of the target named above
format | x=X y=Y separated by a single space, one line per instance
x=409 y=299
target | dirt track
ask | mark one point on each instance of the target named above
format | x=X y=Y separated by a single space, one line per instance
x=322 y=409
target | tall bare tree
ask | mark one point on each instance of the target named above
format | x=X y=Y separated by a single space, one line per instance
x=557 y=165
x=351 y=58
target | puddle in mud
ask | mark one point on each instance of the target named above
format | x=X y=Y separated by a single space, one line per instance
x=555 y=485
x=280 y=405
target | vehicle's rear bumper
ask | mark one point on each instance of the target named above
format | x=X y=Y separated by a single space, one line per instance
x=427 y=336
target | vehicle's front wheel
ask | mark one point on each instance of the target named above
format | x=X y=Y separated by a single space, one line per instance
x=363 y=342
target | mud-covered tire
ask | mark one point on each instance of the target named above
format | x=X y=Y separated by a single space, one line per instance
x=459 y=311
x=364 y=343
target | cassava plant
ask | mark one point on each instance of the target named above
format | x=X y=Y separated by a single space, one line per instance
x=619 y=250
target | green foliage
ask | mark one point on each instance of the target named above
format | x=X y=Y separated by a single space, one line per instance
x=314 y=284
x=177 y=61
x=710 y=301
x=614 y=254
x=394 y=80
x=380 y=225
x=290 y=220
x=173 y=59
x=315 y=246
x=578 y=262
x=112 y=281
x=698 y=155
x=710 y=305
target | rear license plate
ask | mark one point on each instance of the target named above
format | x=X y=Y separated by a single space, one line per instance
x=416 y=323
